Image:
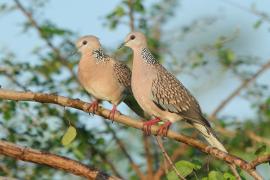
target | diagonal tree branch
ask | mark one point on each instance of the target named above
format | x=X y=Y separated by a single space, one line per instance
x=259 y=160
x=176 y=154
x=131 y=15
x=81 y=105
x=253 y=136
x=167 y=157
x=121 y=145
x=255 y=12
x=55 y=161
x=239 y=89
x=148 y=156
x=34 y=23
x=105 y=160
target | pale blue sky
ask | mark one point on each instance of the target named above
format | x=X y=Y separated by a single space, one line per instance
x=87 y=17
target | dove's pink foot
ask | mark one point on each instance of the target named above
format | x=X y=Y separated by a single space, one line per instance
x=163 y=130
x=112 y=113
x=148 y=124
x=93 y=106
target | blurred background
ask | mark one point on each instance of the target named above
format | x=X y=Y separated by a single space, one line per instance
x=218 y=49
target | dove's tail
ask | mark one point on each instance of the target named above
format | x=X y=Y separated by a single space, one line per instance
x=209 y=136
x=212 y=139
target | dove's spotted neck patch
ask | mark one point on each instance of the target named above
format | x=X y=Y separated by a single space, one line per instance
x=100 y=55
x=148 y=57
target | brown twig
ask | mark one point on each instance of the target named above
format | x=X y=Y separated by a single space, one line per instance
x=257 y=138
x=259 y=160
x=167 y=157
x=131 y=15
x=55 y=161
x=176 y=154
x=81 y=105
x=252 y=11
x=5 y=170
x=105 y=160
x=238 y=90
x=7 y=178
x=34 y=23
x=8 y=73
x=148 y=156
x=254 y=137
x=134 y=166
x=17 y=83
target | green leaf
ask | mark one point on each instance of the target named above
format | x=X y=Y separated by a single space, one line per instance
x=257 y=24
x=215 y=175
x=228 y=176
x=48 y=30
x=119 y=11
x=260 y=150
x=171 y=175
x=227 y=56
x=69 y=136
x=184 y=168
x=220 y=42
x=138 y=6
x=230 y=55
x=7 y=115
x=113 y=24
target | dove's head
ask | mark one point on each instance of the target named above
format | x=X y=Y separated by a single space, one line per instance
x=87 y=43
x=135 y=40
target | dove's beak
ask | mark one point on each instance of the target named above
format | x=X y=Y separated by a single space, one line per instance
x=122 y=45
x=73 y=53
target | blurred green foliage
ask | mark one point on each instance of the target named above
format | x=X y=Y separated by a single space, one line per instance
x=42 y=126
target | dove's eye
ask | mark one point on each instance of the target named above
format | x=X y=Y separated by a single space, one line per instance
x=132 y=37
x=84 y=42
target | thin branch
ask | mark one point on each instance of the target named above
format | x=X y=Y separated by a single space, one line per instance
x=257 y=138
x=104 y=158
x=239 y=89
x=81 y=105
x=9 y=75
x=121 y=145
x=148 y=156
x=131 y=15
x=259 y=160
x=254 y=137
x=7 y=178
x=175 y=155
x=5 y=170
x=167 y=157
x=55 y=161
x=261 y=15
x=48 y=41
x=17 y=83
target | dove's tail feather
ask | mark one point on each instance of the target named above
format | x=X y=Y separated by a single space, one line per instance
x=209 y=136
x=204 y=127
x=212 y=139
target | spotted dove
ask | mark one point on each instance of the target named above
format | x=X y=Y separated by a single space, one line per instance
x=104 y=77
x=162 y=95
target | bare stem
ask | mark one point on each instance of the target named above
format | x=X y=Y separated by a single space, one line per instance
x=239 y=89
x=122 y=147
x=167 y=157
